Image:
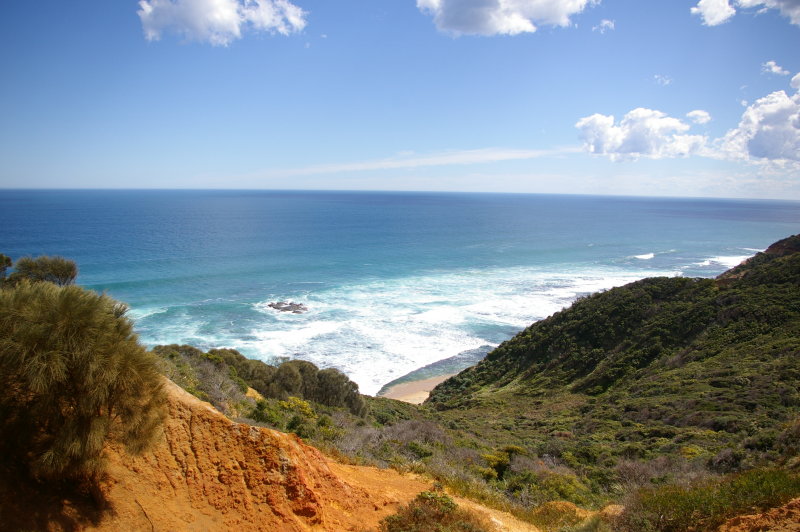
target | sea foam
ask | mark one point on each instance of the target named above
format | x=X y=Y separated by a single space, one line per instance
x=379 y=330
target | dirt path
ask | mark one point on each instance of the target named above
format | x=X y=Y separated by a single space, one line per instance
x=401 y=488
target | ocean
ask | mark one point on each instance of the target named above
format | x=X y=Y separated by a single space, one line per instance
x=392 y=281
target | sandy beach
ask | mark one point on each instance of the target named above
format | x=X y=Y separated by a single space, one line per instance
x=414 y=391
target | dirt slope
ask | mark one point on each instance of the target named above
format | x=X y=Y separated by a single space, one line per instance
x=213 y=474
x=783 y=519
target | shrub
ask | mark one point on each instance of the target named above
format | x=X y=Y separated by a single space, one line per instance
x=298 y=378
x=433 y=511
x=705 y=505
x=72 y=376
x=206 y=376
x=5 y=263
x=56 y=270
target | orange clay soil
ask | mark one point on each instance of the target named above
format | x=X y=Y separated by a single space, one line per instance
x=214 y=474
x=210 y=474
x=783 y=519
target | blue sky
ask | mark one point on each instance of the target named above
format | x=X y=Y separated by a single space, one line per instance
x=662 y=97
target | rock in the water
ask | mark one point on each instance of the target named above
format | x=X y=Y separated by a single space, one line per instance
x=291 y=306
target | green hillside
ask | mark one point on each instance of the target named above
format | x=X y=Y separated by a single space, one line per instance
x=663 y=366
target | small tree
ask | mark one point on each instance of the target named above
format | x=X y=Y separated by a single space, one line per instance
x=56 y=270
x=72 y=377
x=5 y=263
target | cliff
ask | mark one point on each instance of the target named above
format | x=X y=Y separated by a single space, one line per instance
x=210 y=473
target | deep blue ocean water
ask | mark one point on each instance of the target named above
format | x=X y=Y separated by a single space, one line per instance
x=392 y=281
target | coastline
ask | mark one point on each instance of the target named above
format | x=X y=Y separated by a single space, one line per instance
x=414 y=392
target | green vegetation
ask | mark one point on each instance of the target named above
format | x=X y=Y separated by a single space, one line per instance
x=5 y=263
x=706 y=505
x=433 y=511
x=298 y=378
x=222 y=376
x=657 y=381
x=205 y=376
x=72 y=378
x=56 y=270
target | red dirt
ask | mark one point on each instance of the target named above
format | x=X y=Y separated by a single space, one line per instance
x=783 y=519
x=211 y=474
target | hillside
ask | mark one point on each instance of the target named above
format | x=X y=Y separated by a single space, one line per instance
x=717 y=355
x=210 y=473
x=663 y=380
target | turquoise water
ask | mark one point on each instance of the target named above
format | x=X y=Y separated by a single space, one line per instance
x=392 y=281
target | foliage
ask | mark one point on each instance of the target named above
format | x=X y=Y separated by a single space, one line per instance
x=206 y=376
x=5 y=263
x=433 y=511
x=706 y=505
x=704 y=372
x=293 y=378
x=73 y=377
x=56 y=270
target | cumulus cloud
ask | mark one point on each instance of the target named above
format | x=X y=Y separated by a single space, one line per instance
x=604 y=26
x=771 y=67
x=769 y=130
x=714 y=12
x=699 y=116
x=218 y=22
x=641 y=133
x=768 y=134
x=500 y=17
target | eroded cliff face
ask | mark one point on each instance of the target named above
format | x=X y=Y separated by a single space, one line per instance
x=210 y=473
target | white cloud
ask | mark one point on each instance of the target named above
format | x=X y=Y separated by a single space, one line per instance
x=699 y=116
x=604 y=26
x=218 y=22
x=641 y=133
x=716 y=12
x=410 y=160
x=771 y=67
x=769 y=131
x=662 y=80
x=500 y=17
x=768 y=134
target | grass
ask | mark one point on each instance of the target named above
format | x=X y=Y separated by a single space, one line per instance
x=706 y=505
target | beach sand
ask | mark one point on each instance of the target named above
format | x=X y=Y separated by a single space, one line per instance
x=414 y=391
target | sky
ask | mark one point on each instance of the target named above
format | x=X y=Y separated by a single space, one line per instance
x=625 y=97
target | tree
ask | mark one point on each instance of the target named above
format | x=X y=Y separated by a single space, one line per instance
x=5 y=263
x=56 y=270
x=73 y=377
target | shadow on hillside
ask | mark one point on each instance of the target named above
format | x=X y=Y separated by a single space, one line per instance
x=26 y=504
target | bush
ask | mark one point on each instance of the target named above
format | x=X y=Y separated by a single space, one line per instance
x=293 y=378
x=206 y=376
x=56 y=270
x=706 y=505
x=72 y=377
x=433 y=511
